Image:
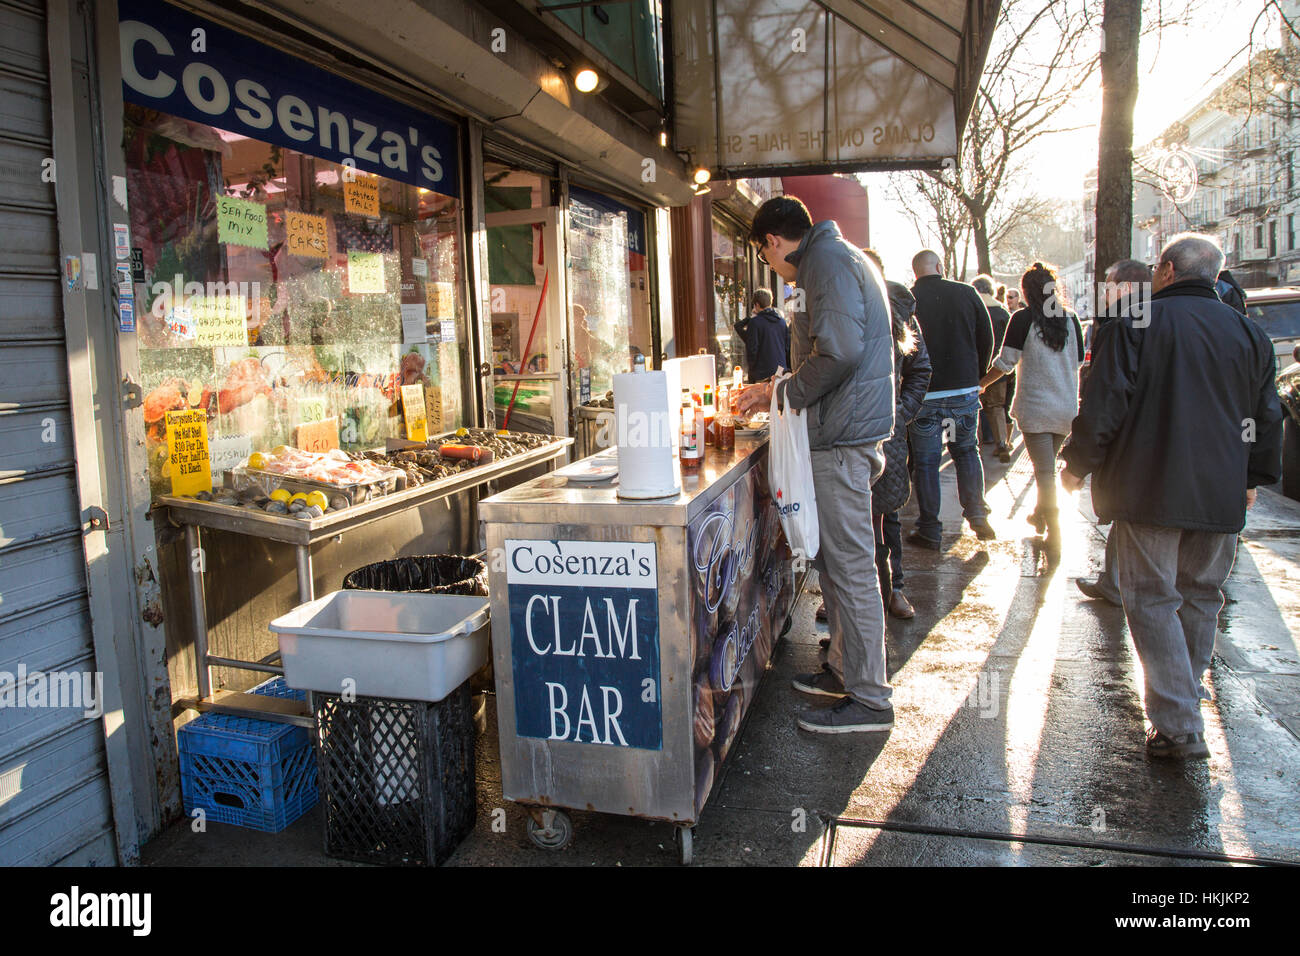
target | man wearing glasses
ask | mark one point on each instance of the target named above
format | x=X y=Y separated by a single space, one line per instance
x=843 y=360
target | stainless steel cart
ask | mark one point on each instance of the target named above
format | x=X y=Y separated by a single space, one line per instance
x=629 y=638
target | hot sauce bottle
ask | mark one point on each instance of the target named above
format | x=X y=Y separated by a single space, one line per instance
x=725 y=423
x=691 y=454
x=710 y=435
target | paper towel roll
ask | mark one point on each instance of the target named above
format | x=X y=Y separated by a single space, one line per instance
x=646 y=436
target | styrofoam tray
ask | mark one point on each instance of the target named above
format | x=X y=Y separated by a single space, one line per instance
x=409 y=646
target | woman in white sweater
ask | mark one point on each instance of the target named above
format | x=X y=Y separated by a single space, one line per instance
x=1044 y=347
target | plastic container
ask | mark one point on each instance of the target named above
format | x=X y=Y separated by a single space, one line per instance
x=410 y=646
x=257 y=774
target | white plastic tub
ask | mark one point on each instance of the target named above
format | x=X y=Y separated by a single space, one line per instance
x=402 y=645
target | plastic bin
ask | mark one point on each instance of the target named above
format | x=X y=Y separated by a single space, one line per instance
x=409 y=646
x=396 y=777
x=429 y=574
x=251 y=773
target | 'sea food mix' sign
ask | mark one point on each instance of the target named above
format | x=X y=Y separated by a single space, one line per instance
x=584 y=635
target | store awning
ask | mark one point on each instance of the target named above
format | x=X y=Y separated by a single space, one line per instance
x=814 y=86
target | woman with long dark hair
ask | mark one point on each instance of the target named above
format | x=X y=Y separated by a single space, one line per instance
x=1044 y=347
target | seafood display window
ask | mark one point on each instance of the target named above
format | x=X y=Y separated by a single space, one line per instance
x=286 y=295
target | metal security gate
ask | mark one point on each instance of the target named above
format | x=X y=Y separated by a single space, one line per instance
x=55 y=796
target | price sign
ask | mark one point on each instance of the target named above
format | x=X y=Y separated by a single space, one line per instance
x=187 y=452
x=318 y=436
x=365 y=272
x=415 y=412
x=361 y=195
x=241 y=222
x=218 y=320
x=306 y=235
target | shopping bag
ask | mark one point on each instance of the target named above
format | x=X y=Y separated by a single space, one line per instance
x=790 y=473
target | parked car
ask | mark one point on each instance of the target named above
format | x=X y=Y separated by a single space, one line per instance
x=1277 y=312
x=1288 y=393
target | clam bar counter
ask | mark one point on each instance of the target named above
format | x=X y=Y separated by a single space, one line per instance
x=629 y=637
x=301 y=533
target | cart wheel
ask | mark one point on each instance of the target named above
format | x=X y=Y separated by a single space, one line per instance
x=553 y=833
x=686 y=844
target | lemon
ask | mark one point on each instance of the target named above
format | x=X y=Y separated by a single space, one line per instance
x=462 y=432
x=257 y=460
x=280 y=494
x=318 y=499
x=279 y=450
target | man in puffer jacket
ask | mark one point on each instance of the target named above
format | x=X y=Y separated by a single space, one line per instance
x=842 y=355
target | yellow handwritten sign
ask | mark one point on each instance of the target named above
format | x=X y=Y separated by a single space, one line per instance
x=306 y=235
x=218 y=319
x=241 y=222
x=188 y=463
x=318 y=436
x=413 y=409
x=361 y=195
x=440 y=300
x=366 y=272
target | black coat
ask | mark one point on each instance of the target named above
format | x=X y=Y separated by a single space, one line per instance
x=957 y=330
x=912 y=375
x=767 y=343
x=1169 y=412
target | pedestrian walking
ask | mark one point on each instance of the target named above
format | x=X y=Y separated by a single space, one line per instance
x=993 y=400
x=1044 y=346
x=842 y=354
x=1127 y=287
x=959 y=335
x=1179 y=424
x=1230 y=292
x=766 y=336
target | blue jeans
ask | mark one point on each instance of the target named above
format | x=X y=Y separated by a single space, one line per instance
x=952 y=421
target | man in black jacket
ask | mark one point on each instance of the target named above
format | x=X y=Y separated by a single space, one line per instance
x=767 y=338
x=1179 y=423
x=995 y=399
x=959 y=335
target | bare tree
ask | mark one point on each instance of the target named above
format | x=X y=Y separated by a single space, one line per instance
x=938 y=216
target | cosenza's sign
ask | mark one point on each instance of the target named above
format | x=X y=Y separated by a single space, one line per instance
x=181 y=64
x=584 y=634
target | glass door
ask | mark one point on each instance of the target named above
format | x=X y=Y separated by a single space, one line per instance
x=526 y=302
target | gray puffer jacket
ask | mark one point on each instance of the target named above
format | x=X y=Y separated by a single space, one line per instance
x=841 y=347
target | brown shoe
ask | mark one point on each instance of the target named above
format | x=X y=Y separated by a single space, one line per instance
x=821 y=614
x=900 y=606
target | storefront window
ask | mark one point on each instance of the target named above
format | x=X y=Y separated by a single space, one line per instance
x=286 y=293
x=608 y=290
x=731 y=292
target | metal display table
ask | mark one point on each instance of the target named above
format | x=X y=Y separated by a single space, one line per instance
x=629 y=638
x=194 y=515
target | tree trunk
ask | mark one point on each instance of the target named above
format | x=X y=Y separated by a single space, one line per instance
x=1121 y=23
x=979 y=226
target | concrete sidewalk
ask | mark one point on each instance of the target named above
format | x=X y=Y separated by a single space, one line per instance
x=1018 y=738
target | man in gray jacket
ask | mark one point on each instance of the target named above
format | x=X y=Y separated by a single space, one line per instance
x=843 y=359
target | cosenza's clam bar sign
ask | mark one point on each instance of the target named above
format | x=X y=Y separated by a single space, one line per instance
x=584 y=635
x=190 y=67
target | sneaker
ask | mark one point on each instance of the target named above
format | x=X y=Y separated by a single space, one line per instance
x=1094 y=591
x=1038 y=521
x=1004 y=454
x=900 y=606
x=825 y=644
x=983 y=530
x=822 y=683
x=846 y=717
x=1188 y=746
x=821 y=614
x=921 y=541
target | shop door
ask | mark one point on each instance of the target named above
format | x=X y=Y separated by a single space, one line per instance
x=529 y=341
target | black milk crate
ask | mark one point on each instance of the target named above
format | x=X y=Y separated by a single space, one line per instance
x=396 y=777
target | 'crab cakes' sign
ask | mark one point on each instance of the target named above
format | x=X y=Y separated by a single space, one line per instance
x=584 y=635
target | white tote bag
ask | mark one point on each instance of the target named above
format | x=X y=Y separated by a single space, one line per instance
x=790 y=471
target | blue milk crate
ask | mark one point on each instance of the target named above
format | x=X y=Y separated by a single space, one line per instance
x=250 y=773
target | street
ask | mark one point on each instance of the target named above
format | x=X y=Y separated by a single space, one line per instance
x=1018 y=736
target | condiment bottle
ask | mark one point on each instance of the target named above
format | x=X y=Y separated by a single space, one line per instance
x=725 y=424
x=691 y=454
x=708 y=415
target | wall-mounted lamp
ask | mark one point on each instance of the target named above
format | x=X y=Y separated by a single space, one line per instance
x=587 y=80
